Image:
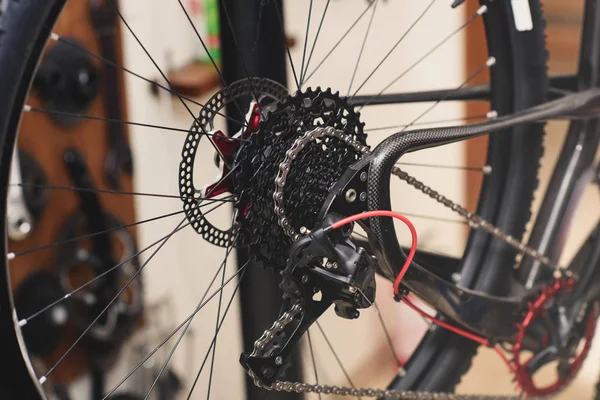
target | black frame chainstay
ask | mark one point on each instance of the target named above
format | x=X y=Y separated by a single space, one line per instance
x=497 y=317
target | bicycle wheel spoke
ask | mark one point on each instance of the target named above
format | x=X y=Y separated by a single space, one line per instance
x=303 y=73
x=486 y=169
x=25 y=321
x=243 y=268
x=339 y=41
x=177 y=329
x=489 y=115
x=312 y=356
x=90 y=235
x=239 y=51
x=28 y=108
x=388 y=337
x=410 y=28
x=79 y=47
x=432 y=218
x=482 y=10
x=222 y=268
x=214 y=351
x=362 y=47
x=212 y=60
x=117 y=192
x=134 y=276
x=287 y=47
x=337 y=358
x=489 y=62
x=310 y=7
x=163 y=75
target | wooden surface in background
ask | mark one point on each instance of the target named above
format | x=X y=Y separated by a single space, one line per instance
x=476 y=149
x=47 y=141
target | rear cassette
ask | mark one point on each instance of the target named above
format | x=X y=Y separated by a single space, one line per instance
x=317 y=168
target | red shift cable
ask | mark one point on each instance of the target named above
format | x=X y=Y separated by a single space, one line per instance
x=400 y=276
x=383 y=213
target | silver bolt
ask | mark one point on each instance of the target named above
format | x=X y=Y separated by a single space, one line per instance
x=350 y=195
x=278 y=360
x=456 y=277
x=304 y=230
x=305 y=279
x=23 y=226
x=492 y=114
x=363 y=176
x=59 y=315
x=352 y=289
x=363 y=196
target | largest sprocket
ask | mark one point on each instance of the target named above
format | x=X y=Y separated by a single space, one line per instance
x=313 y=173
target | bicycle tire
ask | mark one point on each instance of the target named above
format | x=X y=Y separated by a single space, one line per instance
x=442 y=357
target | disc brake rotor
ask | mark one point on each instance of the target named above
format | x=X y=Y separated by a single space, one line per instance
x=267 y=92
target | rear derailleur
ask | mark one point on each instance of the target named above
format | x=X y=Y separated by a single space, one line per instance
x=325 y=267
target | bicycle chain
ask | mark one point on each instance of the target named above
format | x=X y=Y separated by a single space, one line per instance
x=299 y=387
x=475 y=221
x=290 y=156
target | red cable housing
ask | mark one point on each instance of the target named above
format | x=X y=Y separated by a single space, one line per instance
x=400 y=276
x=383 y=213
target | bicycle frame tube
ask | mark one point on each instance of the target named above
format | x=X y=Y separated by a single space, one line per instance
x=575 y=166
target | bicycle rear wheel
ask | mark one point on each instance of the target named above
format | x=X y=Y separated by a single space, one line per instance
x=517 y=81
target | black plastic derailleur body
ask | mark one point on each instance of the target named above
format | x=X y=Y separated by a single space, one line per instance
x=347 y=271
x=324 y=268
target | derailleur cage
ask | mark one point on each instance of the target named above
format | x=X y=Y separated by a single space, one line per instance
x=324 y=268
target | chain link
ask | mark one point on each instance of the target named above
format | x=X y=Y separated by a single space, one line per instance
x=277 y=327
x=297 y=387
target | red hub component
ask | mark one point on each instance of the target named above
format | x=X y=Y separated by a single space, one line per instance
x=519 y=361
x=227 y=148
